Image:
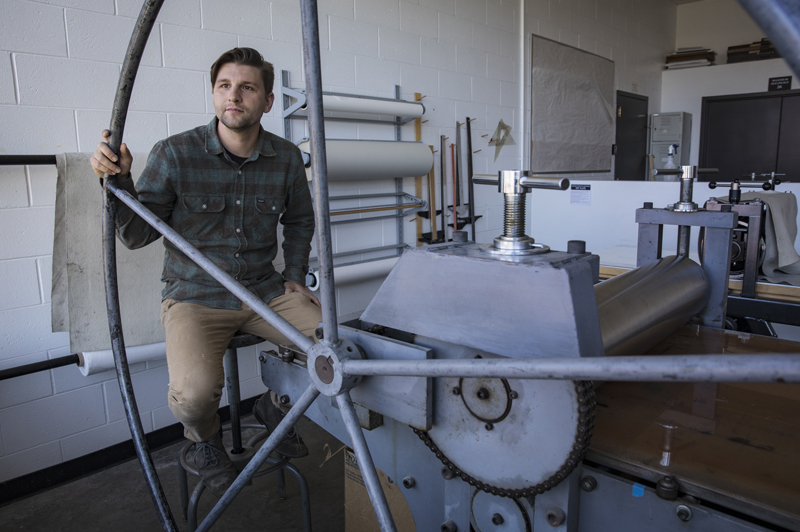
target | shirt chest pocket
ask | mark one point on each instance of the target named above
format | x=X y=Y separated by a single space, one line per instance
x=267 y=211
x=204 y=216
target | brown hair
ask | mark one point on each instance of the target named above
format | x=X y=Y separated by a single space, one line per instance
x=249 y=57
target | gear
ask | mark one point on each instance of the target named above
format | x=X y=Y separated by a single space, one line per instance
x=584 y=391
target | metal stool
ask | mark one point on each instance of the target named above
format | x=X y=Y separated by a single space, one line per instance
x=239 y=454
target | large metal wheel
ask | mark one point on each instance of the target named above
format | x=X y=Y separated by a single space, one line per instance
x=337 y=366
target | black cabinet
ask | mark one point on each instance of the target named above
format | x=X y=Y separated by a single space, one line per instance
x=745 y=133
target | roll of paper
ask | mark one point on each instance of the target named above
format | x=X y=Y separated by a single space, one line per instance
x=373 y=159
x=354 y=273
x=93 y=362
x=354 y=104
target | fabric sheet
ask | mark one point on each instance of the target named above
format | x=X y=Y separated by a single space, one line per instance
x=781 y=261
x=78 y=289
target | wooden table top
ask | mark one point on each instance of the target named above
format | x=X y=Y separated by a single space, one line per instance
x=741 y=441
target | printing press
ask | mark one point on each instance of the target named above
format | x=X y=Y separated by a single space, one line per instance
x=549 y=400
x=521 y=455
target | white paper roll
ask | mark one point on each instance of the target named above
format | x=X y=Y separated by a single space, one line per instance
x=93 y=362
x=354 y=273
x=373 y=159
x=354 y=104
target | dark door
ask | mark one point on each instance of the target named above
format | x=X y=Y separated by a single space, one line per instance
x=757 y=133
x=630 y=162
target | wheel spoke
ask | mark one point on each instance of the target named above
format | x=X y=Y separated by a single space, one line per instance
x=277 y=436
x=365 y=464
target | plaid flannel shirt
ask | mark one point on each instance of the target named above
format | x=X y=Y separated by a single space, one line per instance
x=229 y=213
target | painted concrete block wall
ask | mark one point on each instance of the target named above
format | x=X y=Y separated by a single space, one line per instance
x=59 y=63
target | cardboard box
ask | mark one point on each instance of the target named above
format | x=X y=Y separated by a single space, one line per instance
x=358 y=513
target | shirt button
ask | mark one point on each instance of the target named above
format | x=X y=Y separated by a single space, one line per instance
x=238 y=230
x=236 y=255
x=205 y=206
x=238 y=202
x=240 y=172
x=235 y=277
x=273 y=207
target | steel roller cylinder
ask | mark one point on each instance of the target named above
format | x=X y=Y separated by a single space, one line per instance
x=643 y=306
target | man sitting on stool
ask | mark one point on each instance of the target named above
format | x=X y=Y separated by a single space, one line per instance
x=223 y=187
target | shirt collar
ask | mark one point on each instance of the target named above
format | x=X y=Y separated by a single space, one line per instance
x=214 y=144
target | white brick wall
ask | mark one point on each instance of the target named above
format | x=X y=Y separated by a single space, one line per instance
x=59 y=64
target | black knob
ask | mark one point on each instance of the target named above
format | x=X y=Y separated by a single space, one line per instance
x=497 y=519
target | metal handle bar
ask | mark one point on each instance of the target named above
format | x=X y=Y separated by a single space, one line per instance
x=765 y=185
x=533 y=181
x=679 y=171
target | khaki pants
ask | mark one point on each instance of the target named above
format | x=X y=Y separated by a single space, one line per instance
x=197 y=337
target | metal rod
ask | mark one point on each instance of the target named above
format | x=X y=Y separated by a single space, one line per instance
x=20 y=160
x=365 y=464
x=362 y=196
x=253 y=301
x=684 y=368
x=36 y=367
x=316 y=126
x=391 y=247
x=371 y=218
x=470 y=184
x=442 y=175
x=459 y=171
x=231 y=367
x=341 y=212
x=277 y=436
x=780 y=20
x=130 y=66
x=551 y=183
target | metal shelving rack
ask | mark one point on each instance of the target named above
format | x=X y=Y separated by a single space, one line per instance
x=294 y=102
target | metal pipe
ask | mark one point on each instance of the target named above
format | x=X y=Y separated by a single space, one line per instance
x=261 y=308
x=36 y=367
x=685 y=231
x=768 y=367
x=442 y=174
x=378 y=208
x=470 y=183
x=365 y=464
x=550 y=183
x=252 y=467
x=231 y=367
x=780 y=20
x=316 y=127
x=130 y=66
x=20 y=160
x=484 y=179
x=643 y=306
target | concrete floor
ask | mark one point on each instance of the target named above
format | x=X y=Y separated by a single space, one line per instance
x=117 y=498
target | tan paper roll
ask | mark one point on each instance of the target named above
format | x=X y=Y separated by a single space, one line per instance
x=93 y=362
x=373 y=159
x=354 y=104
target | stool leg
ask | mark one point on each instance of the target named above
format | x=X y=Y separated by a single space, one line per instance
x=231 y=365
x=281 y=484
x=192 y=510
x=183 y=482
x=305 y=498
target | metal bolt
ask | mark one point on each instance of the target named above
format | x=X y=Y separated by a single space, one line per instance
x=667 y=488
x=648 y=204
x=409 y=483
x=512 y=394
x=456 y=391
x=319 y=334
x=497 y=520
x=489 y=426
x=449 y=526
x=285 y=399
x=446 y=473
x=262 y=358
x=483 y=394
x=555 y=517
x=683 y=512
x=588 y=483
